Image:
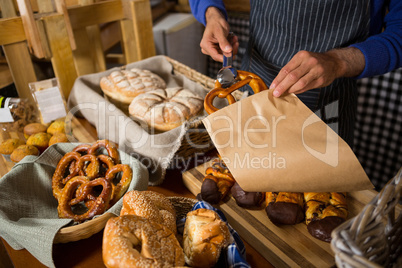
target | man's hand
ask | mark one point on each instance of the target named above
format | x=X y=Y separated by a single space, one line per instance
x=214 y=41
x=308 y=70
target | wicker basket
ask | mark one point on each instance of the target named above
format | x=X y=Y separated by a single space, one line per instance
x=85 y=230
x=374 y=237
x=197 y=139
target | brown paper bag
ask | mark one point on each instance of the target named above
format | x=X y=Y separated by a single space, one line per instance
x=278 y=144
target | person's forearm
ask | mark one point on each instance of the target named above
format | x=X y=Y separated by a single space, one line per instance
x=213 y=13
x=351 y=61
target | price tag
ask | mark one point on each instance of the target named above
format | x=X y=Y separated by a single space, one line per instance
x=5 y=113
x=50 y=104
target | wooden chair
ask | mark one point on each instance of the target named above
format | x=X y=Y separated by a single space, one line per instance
x=69 y=36
x=13 y=41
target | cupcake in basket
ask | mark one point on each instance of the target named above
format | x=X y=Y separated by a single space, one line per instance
x=121 y=87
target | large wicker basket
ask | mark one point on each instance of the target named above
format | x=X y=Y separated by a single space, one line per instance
x=373 y=238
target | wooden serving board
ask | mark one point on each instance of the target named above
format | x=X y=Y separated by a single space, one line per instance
x=82 y=131
x=282 y=246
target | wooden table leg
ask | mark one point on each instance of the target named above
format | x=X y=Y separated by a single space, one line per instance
x=5 y=261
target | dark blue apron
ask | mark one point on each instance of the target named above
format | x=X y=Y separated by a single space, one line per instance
x=281 y=28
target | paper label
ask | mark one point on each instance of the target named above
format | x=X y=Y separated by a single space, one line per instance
x=50 y=104
x=5 y=113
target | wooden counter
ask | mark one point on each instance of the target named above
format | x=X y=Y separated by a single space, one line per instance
x=88 y=252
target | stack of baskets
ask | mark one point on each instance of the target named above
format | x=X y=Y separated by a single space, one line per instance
x=374 y=237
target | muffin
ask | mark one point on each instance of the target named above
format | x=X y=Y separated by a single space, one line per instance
x=22 y=151
x=34 y=128
x=8 y=146
x=39 y=140
x=57 y=126
x=58 y=137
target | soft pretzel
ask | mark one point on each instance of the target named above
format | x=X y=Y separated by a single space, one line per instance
x=121 y=187
x=69 y=198
x=324 y=212
x=82 y=149
x=285 y=207
x=217 y=182
x=133 y=241
x=58 y=179
x=110 y=148
x=106 y=163
x=150 y=205
x=255 y=82
x=91 y=170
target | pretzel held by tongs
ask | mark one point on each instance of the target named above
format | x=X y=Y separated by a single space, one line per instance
x=255 y=82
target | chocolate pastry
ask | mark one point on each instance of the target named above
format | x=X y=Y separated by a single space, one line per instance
x=246 y=199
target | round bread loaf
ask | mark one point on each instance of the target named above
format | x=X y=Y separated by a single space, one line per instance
x=133 y=241
x=166 y=109
x=125 y=85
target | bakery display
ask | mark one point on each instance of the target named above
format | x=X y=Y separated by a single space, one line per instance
x=124 y=85
x=205 y=236
x=324 y=212
x=165 y=109
x=150 y=205
x=217 y=182
x=85 y=182
x=133 y=241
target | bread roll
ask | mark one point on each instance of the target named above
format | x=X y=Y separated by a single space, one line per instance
x=125 y=85
x=166 y=109
x=205 y=235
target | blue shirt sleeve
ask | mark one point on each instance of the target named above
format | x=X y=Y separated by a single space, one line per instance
x=383 y=51
x=199 y=7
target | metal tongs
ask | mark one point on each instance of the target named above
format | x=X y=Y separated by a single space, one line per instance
x=227 y=76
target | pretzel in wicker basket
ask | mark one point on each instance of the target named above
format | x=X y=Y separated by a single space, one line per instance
x=255 y=82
